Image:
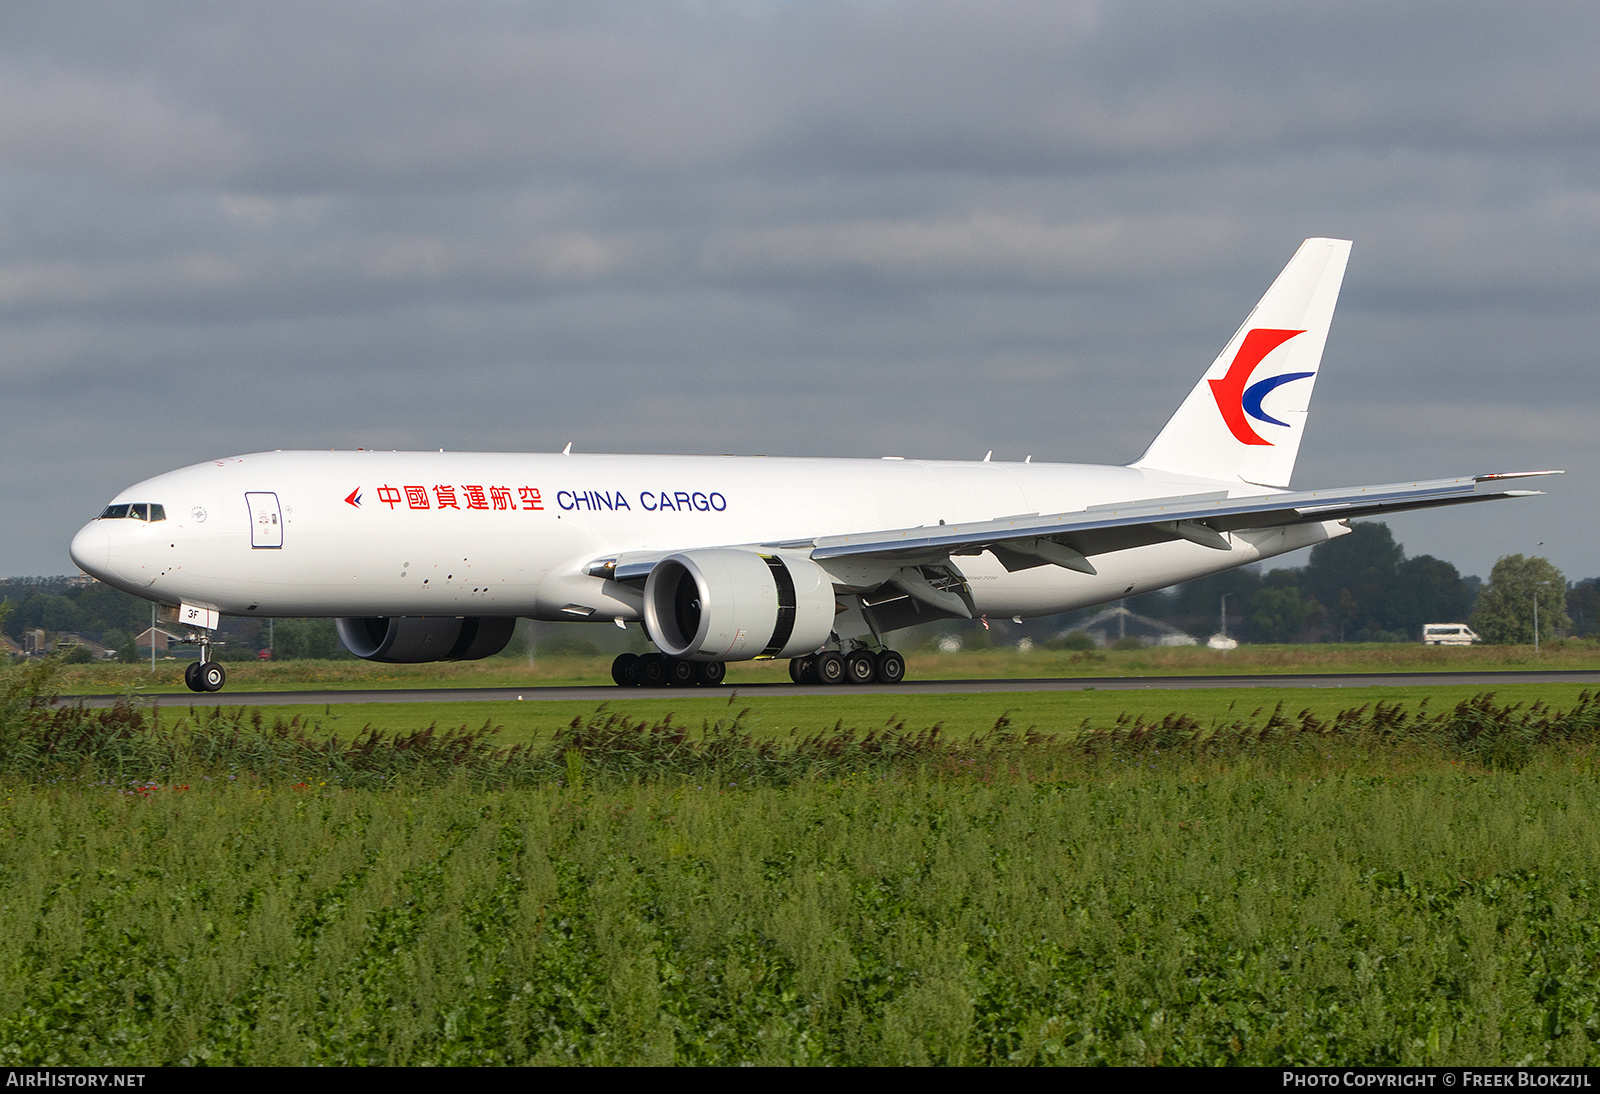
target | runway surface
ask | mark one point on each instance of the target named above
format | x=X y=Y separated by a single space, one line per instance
x=1486 y=680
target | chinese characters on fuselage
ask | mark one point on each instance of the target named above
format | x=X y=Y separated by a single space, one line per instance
x=529 y=498
x=473 y=496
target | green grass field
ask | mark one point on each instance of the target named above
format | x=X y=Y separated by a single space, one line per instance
x=976 y=664
x=1378 y=886
x=957 y=715
x=1430 y=917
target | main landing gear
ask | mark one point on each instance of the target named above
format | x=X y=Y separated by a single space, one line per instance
x=654 y=670
x=856 y=667
x=205 y=674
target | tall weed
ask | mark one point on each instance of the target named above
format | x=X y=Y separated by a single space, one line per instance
x=126 y=741
x=1154 y=918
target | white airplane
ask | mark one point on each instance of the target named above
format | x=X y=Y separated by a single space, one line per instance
x=424 y=556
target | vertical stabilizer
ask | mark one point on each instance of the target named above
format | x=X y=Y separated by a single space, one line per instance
x=1244 y=419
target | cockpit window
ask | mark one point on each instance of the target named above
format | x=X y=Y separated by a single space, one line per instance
x=147 y=511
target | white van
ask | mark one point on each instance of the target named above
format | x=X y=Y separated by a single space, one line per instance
x=1448 y=634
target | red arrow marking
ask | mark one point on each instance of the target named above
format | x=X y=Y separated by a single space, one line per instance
x=1229 y=391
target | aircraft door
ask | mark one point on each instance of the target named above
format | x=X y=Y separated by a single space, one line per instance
x=266 y=519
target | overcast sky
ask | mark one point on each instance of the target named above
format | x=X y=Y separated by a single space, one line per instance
x=809 y=228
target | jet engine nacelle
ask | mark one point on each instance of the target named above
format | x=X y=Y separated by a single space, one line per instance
x=408 y=640
x=733 y=605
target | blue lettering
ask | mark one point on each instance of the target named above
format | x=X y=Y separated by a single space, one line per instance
x=605 y=497
x=678 y=501
x=622 y=502
x=564 y=499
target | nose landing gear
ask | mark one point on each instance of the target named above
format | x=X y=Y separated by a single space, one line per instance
x=205 y=674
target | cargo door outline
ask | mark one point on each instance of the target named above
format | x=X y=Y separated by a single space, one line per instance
x=266 y=519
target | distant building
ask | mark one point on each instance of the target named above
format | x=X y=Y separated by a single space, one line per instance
x=1130 y=624
x=162 y=640
x=96 y=650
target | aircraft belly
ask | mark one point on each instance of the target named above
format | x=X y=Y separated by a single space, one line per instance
x=341 y=573
x=1046 y=590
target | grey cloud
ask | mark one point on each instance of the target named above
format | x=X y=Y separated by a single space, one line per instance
x=832 y=228
x=336 y=95
x=976 y=247
x=64 y=121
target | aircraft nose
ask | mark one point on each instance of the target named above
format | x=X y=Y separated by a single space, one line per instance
x=91 y=549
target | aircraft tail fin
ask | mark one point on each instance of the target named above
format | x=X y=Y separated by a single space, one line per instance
x=1243 y=421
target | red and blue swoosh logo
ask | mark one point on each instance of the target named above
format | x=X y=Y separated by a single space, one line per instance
x=1237 y=397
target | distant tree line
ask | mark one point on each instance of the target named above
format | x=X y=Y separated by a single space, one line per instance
x=1362 y=588
x=62 y=605
x=56 y=605
x=1358 y=588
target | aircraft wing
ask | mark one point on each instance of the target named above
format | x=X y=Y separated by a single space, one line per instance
x=1035 y=539
x=1069 y=539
